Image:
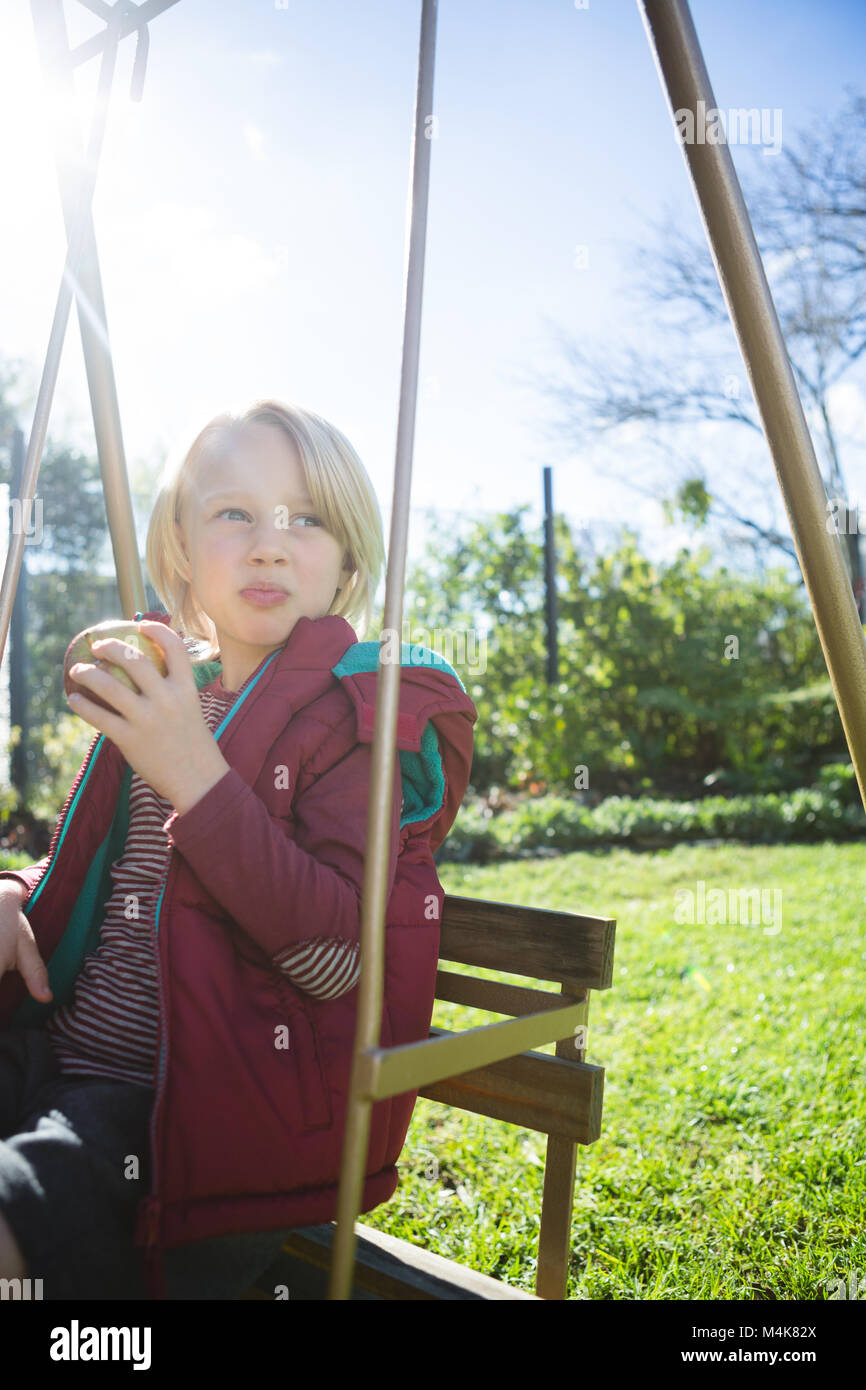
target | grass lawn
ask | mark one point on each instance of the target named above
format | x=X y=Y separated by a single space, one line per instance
x=731 y=1162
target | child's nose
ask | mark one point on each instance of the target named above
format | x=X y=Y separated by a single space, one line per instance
x=269 y=539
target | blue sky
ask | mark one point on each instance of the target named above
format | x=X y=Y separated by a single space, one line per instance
x=251 y=216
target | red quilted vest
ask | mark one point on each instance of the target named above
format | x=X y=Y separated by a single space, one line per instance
x=246 y=1134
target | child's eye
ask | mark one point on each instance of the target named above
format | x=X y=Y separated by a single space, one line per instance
x=303 y=517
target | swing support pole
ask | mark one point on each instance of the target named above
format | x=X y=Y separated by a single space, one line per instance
x=684 y=77
x=58 y=64
x=81 y=280
x=373 y=904
x=78 y=230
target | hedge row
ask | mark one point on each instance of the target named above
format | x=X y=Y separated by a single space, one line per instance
x=553 y=824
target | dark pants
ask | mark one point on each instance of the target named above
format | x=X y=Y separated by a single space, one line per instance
x=70 y=1185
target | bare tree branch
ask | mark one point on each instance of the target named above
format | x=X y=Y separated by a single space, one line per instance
x=809 y=215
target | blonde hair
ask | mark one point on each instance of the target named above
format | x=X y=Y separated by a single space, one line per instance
x=339 y=488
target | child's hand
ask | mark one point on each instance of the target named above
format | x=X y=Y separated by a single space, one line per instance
x=18 y=949
x=159 y=729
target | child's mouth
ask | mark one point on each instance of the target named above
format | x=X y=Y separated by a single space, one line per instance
x=264 y=598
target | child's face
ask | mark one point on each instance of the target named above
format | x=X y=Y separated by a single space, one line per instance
x=248 y=520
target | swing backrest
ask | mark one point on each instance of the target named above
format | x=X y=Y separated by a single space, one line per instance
x=559 y=1094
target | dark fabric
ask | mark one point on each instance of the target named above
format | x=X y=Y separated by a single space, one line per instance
x=65 y=1147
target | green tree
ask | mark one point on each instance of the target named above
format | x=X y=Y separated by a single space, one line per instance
x=673 y=676
x=70 y=585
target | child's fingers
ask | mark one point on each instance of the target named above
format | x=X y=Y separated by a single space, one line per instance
x=31 y=966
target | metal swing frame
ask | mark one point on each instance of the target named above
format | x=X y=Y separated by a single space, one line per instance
x=436 y=1065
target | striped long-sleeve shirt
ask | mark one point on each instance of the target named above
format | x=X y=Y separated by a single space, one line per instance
x=110 y=1026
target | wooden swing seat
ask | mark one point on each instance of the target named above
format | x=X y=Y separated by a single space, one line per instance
x=559 y=1095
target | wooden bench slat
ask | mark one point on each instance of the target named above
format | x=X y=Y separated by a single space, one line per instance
x=534 y=1090
x=498 y=998
x=389 y=1268
x=572 y=949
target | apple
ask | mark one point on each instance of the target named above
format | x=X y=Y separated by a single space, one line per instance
x=80 y=649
